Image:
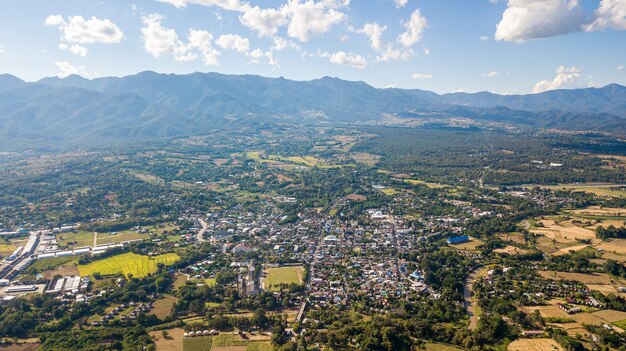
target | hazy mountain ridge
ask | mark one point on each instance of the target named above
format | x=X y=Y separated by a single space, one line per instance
x=73 y=111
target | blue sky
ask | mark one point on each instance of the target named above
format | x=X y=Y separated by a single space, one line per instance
x=505 y=46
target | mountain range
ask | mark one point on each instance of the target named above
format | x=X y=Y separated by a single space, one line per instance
x=76 y=112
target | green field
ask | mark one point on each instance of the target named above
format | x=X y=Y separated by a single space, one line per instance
x=119 y=237
x=52 y=263
x=202 y=343
x=597 y=189
x=79 y=239
x=620 y=324
x=128 y=263
x=283 y=275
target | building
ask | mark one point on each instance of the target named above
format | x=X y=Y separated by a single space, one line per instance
x=458 y=240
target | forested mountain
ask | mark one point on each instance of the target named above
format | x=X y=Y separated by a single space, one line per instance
x=73 y=111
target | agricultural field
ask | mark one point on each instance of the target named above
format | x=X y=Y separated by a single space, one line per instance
x=563 y=231
x=226 y=342
x=6 y=249
x=163 y=306
x=283 y=275
x=511 y=250
x=51 y=263
x=73 y=240
x=388 y=191
x=173 y=342
x=117 y=238
x=365 y=158
x=421 y=182
x=615 y=190
x=128 y=263
x=471 y=245
x=536 y=344
x=602 y=212
x=585 y=278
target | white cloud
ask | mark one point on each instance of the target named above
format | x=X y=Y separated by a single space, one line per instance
x=78 y=30
x=74 y=49
x=490 y=74
x=401 y=3
x=232 y=5
x=311 y=18
x=531 y=19
x=483 y=38
x=201 y=40
x=414 y=29
x=565 y=77
x=303 y=18
x=233 y=42
x=67 y=68
x=266 y=22
x=345 y=59
x=392 y=54
x=375 y=32
x=1 y=48
x=421 y=76
x=610 y=14
x=620 y=68
x=159 y=40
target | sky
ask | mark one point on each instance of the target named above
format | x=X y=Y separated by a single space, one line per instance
x=503 y=46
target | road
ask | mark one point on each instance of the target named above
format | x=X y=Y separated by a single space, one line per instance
x=95 y=239
x=478 y=272
x=205 y=226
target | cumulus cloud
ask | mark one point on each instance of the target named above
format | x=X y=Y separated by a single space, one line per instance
x=619 y=68
x=400 y=3
x=159 y=40
x=74 y=49
x=565 y=77
x=610 y=14
x=303 y=18
x=375 y=32
x=67 y=69
x=531 y=19
x=414 y=29
x=392 y=54
x=76 y=29
x=421 y=76
x=233 y=42
x=490 y=74
x=345 y=59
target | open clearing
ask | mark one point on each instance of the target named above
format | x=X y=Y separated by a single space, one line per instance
x=421 y=182
x=601 y=212
x=615 y=190
x=117 y=238
x=511 y=250
x=283 y=275
x=128 y=263
x=563 y=231
x=226 y=342
x=591 y=278
x=471 y=245
x=441 y=347
x=173 y=342
x=79 y=239
x=365 y=158
x=163 y=306
x=538 y=344
x=548 y=311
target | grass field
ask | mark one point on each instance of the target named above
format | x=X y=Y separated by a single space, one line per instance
x=53 y=263
x=441 y=347
x=202 y=343
x=537 y=344
x=224 y=342
x=365 y=158
x=174 y=342
x=511 y=250
x=592 y=278
x=471 y=245
x=597 y=189
x=421 y=182
x=128 y=263
x=78 y=239
x=104 y=238
x=163 y=306
x=283 y=275
x=388 y=191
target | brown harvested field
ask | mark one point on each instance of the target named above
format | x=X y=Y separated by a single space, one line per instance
x=607 y=222
x=617 y=246
x=610 y=315
x=571 y=328
x=356 y=197
x=180 y=280
x=20 y=347
x=511 y=250
x=229 y=348
x=566 y=250
x=64 y=271
x=591 y=278
x=163 y=306
x=517 y=238
x=471 y=245
x=174 y=341
x=538 y=344
x=587 y=318
x=548 y=311
x=564 y=231
x=605 y=211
